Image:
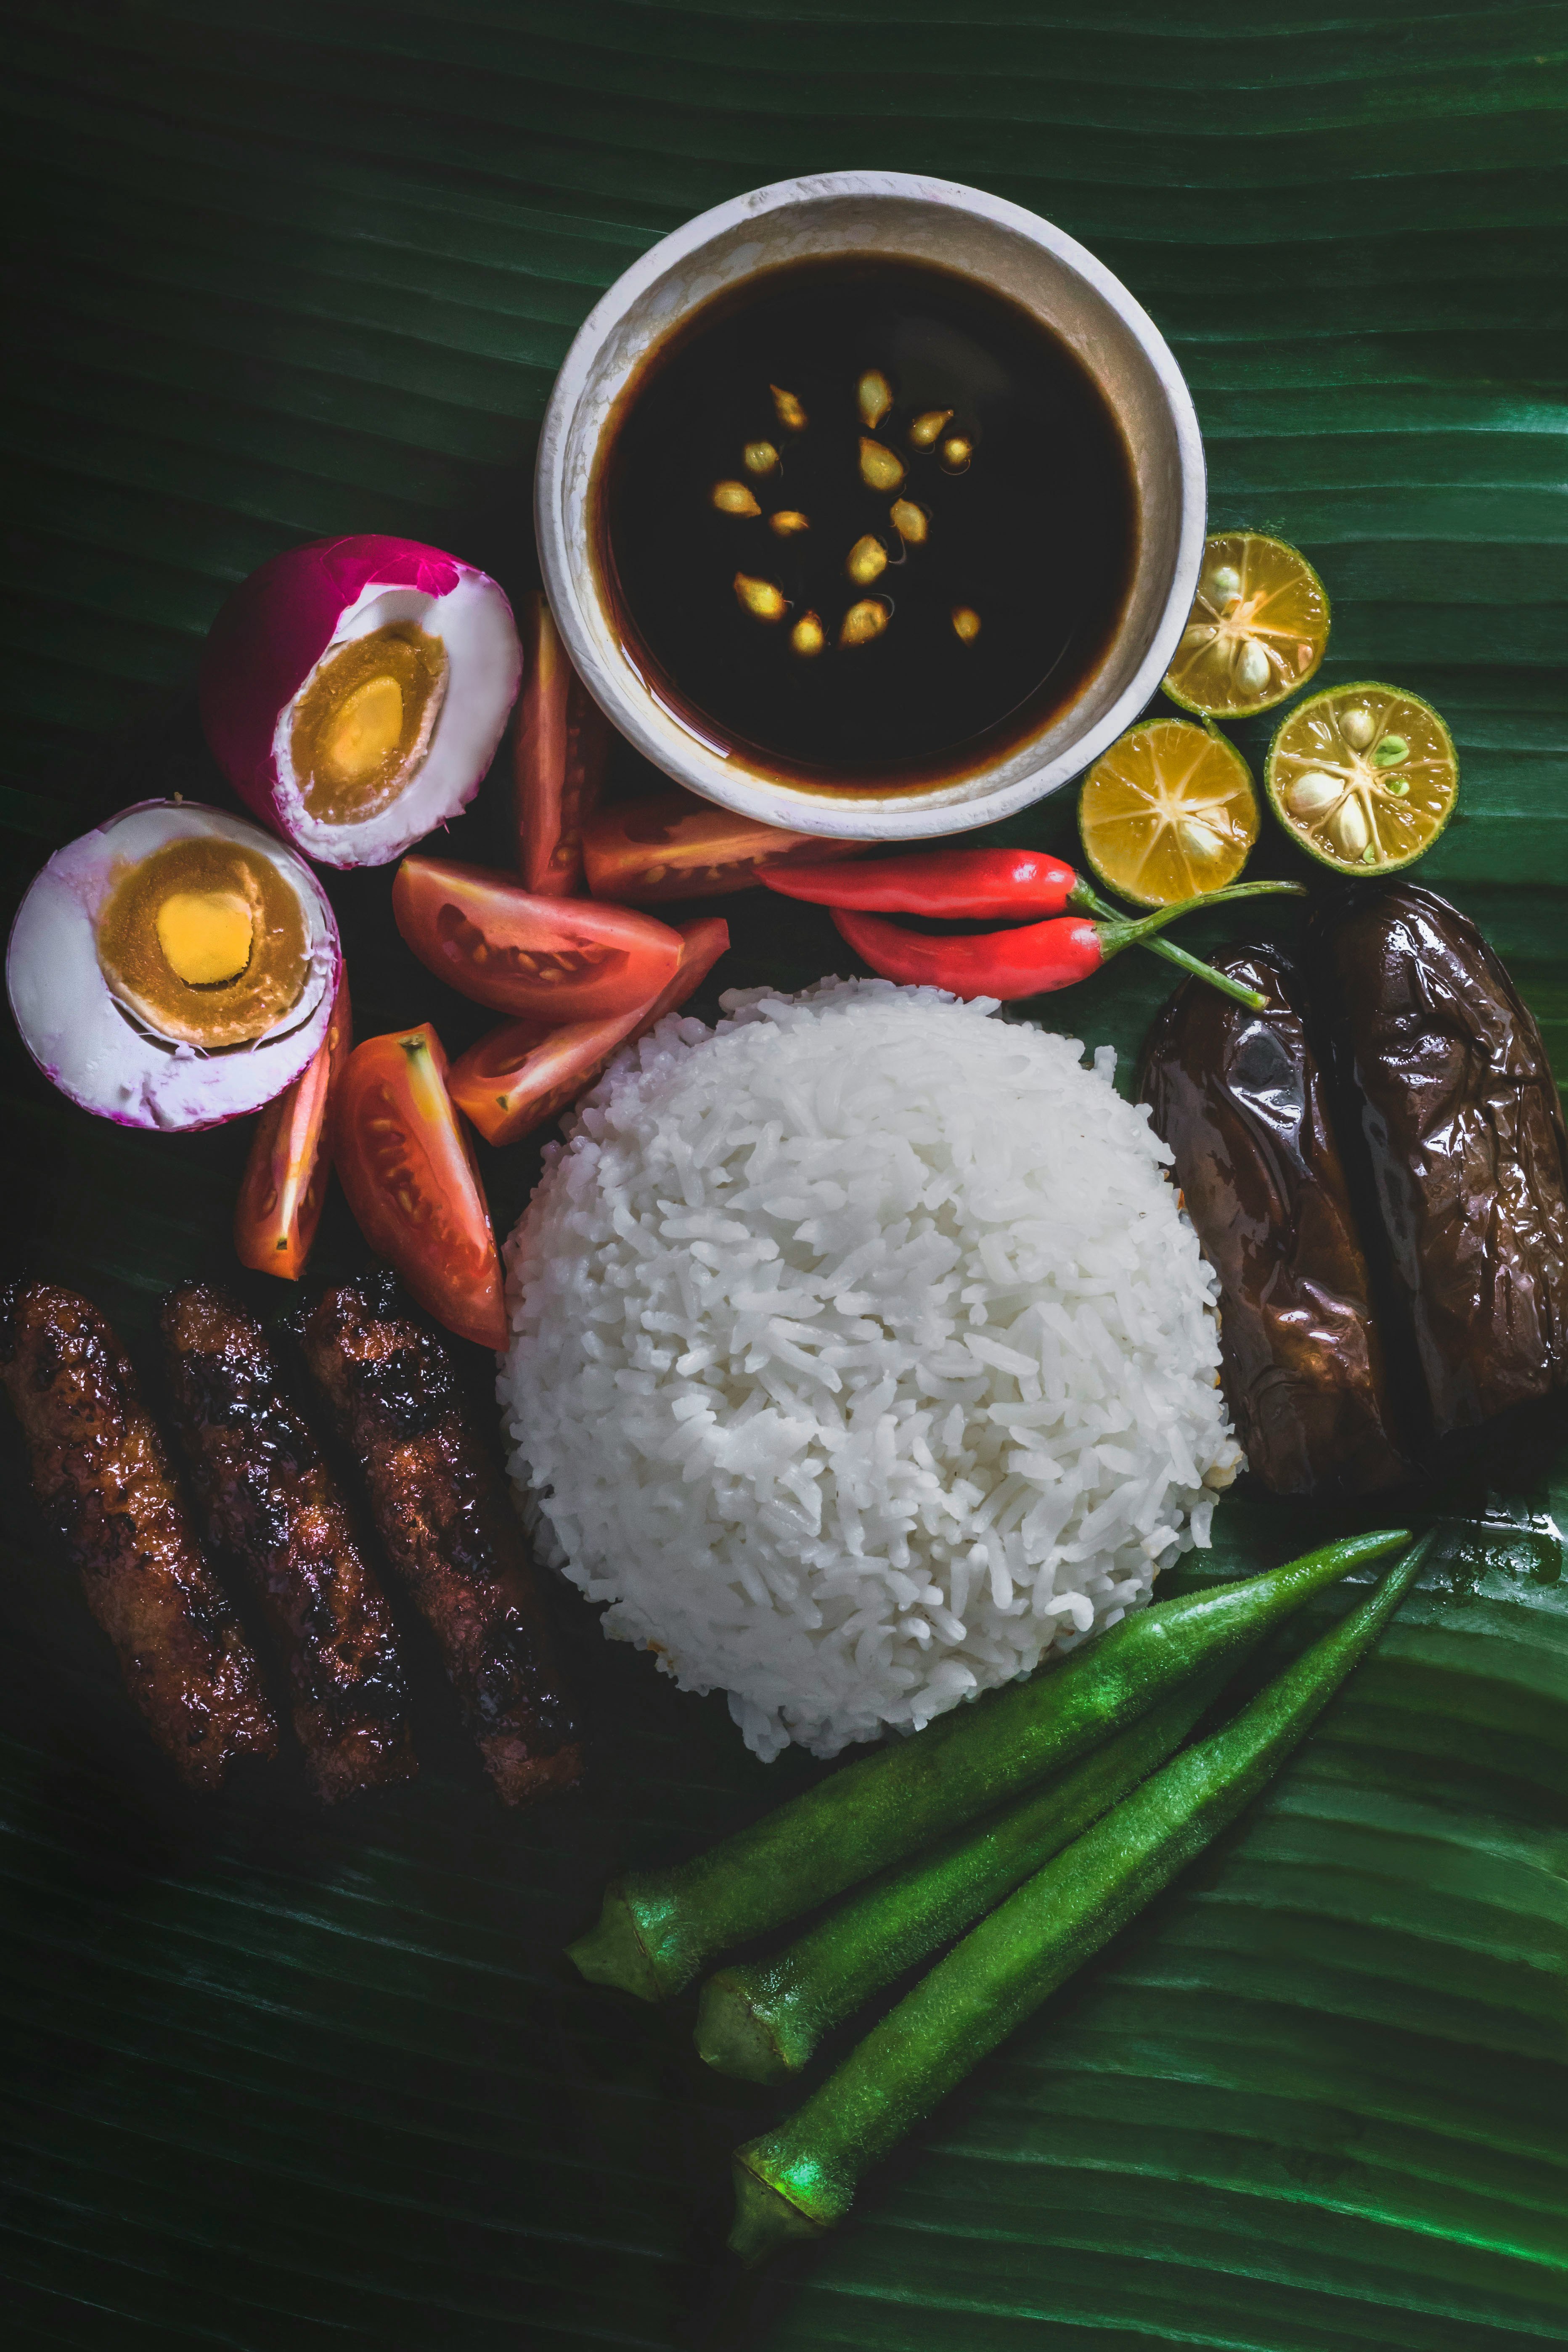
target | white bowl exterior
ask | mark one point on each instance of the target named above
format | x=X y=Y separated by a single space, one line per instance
x=897 y=215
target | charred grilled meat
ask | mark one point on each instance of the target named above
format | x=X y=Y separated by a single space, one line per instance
x=1239 y=1098
x=103 y=1478
x=1436 y=1061
x=448 y=1529
x=271 y=1506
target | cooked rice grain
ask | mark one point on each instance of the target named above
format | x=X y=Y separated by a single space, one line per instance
x=862 y=1355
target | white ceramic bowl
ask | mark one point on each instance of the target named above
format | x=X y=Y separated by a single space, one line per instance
x=1004 y=247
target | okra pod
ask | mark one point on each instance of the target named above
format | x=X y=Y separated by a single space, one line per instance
x=800 y=2180
x=762 y=2020
x=659 y=1928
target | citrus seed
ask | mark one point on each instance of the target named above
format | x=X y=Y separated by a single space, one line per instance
x=864 y=621
x=1311 y=796
x=734 y=498
x=760 y=597
x=875 y=396
x=1348 y=828
x=880 y=469
x=1252 y=671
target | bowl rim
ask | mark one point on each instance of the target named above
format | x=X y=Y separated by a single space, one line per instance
x=629 y=705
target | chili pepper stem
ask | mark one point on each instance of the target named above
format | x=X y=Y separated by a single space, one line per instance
x=1196 y=968
x=1130 y=930
x=1091 y=903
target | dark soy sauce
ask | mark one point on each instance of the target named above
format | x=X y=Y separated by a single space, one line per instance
x=1030 y=523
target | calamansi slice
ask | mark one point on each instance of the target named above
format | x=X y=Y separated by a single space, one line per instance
x=1364 y=777
x=1258 y=628
x=1167 y=813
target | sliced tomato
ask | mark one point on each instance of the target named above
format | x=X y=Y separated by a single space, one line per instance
x=526 y=1072
x=702 y=942
x=409 y=1172
x=286 y=1176
x=677 y=846
x=559 y=749
x=551 y=959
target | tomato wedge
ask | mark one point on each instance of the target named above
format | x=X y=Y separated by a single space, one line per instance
x=677 y=846
x=559 y=749
x=525 y=1071
x=546 y=959
x=284 y=1187
x=409 y=1172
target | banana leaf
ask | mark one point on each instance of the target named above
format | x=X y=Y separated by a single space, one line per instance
x=272 y=2078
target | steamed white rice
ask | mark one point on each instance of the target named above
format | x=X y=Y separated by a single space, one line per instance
x=862 y=1355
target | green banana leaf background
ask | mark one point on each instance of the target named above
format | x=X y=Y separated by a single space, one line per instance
x=279 y=2079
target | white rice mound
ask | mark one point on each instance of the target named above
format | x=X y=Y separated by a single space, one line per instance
x=862 y=1355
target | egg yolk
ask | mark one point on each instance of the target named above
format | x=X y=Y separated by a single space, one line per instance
x=205 y=941
x=362 y=727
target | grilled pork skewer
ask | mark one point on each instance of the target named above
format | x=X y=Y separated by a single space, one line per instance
x=448 y=1529
x=101 y=1474
x=270 y=1505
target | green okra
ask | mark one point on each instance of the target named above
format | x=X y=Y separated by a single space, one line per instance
x=659 y=1928
x=797 y=2181
x=763 y=2020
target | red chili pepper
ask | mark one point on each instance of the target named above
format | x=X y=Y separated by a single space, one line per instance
x=951 y=882
x=1027 y=962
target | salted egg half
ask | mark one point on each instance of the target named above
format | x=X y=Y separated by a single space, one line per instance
x=354 y=692
x=173 y=968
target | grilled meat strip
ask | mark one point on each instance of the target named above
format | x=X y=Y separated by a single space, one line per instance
x=448 y=1529
x=1446 y=1088
x=272 y=1507
x=104 y=1479
x=1238 y=1097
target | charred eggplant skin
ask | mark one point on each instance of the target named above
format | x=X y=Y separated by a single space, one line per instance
x=1438 y=1061
x=1240 y=1099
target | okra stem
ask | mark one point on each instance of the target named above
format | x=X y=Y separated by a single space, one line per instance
x=800 y=2180
x=763 y=2020
x=659 y=1928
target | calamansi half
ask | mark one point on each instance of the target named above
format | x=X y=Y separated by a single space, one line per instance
x=1167 y=813
x=1258 y=628
x=1364 y=777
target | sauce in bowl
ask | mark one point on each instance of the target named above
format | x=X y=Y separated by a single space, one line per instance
x=863 y=522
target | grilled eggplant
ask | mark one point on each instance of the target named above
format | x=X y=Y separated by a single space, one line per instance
x=1440 y=1069
x=1239 y=1098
